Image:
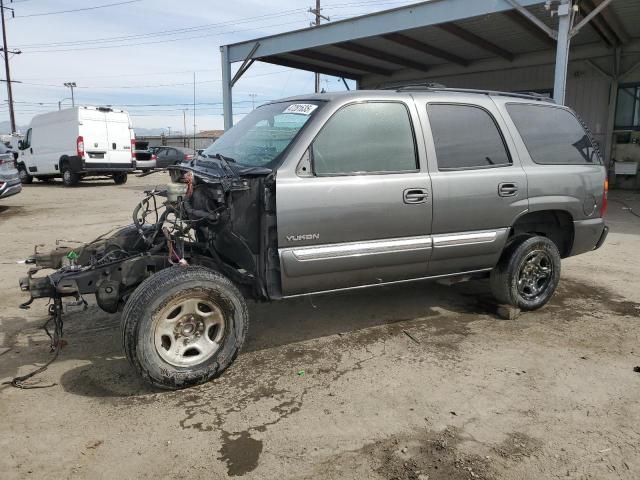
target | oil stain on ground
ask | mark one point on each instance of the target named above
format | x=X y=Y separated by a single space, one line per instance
x=240 y=452
x=415 y=456
x=582 y=299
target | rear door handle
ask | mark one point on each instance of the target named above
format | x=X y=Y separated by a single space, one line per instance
x=508 y=189
x=415 y=195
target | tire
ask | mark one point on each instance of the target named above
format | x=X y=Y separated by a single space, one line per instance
x=158 y=319
x=120 y=178
x=527 y=274
x=69 y=178
x=25 y=178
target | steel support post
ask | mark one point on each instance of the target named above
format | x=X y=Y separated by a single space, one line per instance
x=562 y=52
x=227 y=98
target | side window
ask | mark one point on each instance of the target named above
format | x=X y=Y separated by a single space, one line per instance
x=466 y=137
x=553 y=135
x=372 y=137
x=27 y=140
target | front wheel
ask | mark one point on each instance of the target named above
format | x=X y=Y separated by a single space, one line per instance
x=25 y=178
x=527 y=274
x=120 y=178
x=184 y=326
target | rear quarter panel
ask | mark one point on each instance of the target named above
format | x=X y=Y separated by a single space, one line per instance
x=577 y=189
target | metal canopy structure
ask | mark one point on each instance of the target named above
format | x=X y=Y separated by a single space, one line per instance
x=445 y=37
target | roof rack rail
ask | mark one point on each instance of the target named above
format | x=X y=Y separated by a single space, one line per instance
x=436 y=87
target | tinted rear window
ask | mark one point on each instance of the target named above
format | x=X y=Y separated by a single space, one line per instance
x=553 y=135
x=466 y=137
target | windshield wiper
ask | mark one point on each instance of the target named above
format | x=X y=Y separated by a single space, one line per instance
x=227 y=161
x=219 y=156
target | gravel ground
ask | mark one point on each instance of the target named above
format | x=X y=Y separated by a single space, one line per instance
x=408 y=382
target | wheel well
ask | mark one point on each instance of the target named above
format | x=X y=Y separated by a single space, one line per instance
x=64 y=160
x=556 y=225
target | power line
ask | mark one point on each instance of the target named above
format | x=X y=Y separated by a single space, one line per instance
x=126 y=38
x=157 y=85
x=77 y=9
x=159 y=41
x=166 y=32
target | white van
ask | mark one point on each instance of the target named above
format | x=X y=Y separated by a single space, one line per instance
x=77 y=142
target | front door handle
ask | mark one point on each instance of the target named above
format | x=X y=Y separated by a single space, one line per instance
x=508 y=189
x=415 y=195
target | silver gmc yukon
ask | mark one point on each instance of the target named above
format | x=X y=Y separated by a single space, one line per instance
x=330 y=192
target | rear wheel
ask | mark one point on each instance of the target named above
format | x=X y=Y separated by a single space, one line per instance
x=527 y=274
x=184 y=326
x=120 y=178
x=25 y=178
x=69 y=178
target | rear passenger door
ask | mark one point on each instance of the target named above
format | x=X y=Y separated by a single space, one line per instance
x=479 y=186
x=357 y=209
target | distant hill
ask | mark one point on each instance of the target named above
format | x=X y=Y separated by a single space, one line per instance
x=5 y=128
x=146 y=132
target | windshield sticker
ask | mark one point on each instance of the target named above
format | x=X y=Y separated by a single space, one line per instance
x=301 y=108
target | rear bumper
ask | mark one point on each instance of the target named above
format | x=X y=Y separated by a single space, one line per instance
x=588 y=235
x=10 y=187
x=140 y=164
x=603 y=237
x=80 y=165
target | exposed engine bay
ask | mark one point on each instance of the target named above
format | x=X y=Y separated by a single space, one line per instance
x=213 y=213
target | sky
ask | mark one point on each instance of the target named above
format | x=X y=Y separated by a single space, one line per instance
x=141 y=55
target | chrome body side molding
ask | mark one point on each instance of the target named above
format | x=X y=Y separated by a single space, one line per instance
x=373 y=247
x=467 y=238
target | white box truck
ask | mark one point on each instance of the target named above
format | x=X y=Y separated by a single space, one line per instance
x=78 y=142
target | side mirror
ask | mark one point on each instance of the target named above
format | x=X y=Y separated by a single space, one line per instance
x=20 y=145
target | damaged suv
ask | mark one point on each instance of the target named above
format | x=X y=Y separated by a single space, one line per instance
x=339 y=191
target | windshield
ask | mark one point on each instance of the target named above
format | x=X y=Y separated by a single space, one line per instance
x=260 y=137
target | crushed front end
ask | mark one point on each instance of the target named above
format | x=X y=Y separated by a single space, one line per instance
x=213 y=213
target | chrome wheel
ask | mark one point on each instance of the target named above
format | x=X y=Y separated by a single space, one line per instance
x=66 y=176
x=188 y=331
x=535 y=275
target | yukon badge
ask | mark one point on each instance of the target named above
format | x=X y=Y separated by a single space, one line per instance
x=299 y=238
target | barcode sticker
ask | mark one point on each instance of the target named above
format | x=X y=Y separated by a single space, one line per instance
x=301 y=108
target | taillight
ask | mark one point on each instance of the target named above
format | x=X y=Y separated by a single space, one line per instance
x=154 y=157
x=80 y=146
x=187 y=157
x=605 y=201
x=133 y=148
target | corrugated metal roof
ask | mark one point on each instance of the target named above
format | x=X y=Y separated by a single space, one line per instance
x=504 y=34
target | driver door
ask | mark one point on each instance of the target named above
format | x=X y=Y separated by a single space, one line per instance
x=357 y=210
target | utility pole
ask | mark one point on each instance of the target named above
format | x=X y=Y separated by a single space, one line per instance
x=6 y=52
x=71 y=85
x=184 y=126
x=194 y=111
x=169 y=128
x=318 y=13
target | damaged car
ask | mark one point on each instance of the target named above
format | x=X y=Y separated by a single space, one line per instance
x=332 y=192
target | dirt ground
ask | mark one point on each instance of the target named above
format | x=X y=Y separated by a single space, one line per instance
x=410 y=382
